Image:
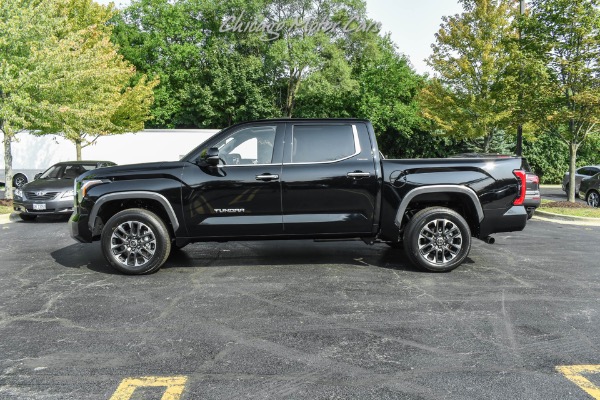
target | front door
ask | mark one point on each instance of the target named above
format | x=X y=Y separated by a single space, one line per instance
x=240 y=197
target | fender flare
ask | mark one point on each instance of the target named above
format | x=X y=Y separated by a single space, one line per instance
x=438 y=189
x=133 y=195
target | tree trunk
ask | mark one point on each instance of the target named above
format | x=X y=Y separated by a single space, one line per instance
x=290 y=100
x=8 y=172
x=573 y=147
x=78 y=149
x=487 y=142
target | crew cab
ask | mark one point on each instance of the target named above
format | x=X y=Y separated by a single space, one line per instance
x=298 y=179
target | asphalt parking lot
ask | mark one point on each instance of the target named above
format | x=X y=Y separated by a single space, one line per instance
x=300 y=320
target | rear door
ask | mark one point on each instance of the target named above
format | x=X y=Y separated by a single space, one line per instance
x=328 y=178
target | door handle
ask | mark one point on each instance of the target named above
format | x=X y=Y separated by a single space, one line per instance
x=358 y=174
x=266 y=177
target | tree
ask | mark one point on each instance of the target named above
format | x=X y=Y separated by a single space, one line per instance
x=87 y=89
x=470 y=94
x=209 y=77
x=304 y=47
x=565 y=36
x=25 y=27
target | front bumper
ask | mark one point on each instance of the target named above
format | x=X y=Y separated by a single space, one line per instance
x=581 y=195
x=53 y=207
x=78 y=225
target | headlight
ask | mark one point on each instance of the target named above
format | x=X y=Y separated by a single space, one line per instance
x=18 y=193
x=68 y=193
x=83 y=187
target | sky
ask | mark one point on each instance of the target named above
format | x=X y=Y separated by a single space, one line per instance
x=412 y=24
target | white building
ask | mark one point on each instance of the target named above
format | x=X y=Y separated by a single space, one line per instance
x=32 y=152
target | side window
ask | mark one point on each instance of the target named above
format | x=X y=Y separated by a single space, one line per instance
x=73 y=171
x=248 y=146
x=322 y=143
x=588 y=171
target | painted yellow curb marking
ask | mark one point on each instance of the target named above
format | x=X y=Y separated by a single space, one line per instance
x=574 y=373
x=174 y=386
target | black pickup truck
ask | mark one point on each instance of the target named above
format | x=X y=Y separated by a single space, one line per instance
x=298 y=179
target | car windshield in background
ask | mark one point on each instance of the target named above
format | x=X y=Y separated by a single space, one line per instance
x=67 y=171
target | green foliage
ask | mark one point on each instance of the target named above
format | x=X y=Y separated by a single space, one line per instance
x=470 y=96
x=565 y=36
x=550 y=169
x=548 y=156
x=208 y=78
x=62 y=74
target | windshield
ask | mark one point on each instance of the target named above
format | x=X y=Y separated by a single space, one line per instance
x=66 y=171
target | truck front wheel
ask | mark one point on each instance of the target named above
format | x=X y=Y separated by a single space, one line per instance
x=136 y=241
x=437 y=239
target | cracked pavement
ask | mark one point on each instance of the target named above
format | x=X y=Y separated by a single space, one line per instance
x=300 y=320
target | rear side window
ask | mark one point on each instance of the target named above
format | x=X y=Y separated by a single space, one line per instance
x=322 y=143
x=588 y=171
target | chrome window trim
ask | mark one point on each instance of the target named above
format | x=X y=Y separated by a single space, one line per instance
x=357 y=149
x=247 y=165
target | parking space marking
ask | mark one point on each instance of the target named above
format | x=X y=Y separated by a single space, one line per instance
x=574 y=373
x=174 y=386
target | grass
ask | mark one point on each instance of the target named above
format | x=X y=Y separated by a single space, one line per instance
x=572 y=210
x=5 y=207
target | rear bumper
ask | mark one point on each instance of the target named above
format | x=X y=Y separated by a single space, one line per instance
x=496 y=221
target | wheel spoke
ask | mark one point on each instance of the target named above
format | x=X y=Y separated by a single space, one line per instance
x=133 y=244
x=440 y=241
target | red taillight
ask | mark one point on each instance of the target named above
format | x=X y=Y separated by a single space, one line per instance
x=522 y=177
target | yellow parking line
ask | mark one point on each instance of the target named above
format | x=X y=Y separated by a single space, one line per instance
x=174 y=386
x=574 y=373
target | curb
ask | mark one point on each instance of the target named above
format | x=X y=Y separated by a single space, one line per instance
x=551 y=187
x=8 y=218
x=547 y=216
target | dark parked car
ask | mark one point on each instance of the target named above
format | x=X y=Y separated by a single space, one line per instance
x=51 y=192
x=580 y=174
x=589 y=190
x=533 y=197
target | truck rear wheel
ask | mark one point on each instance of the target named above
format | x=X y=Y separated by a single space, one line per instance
x=437 y=239
x=136 y=241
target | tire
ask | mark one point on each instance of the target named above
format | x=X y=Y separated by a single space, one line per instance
x=129 y=228
x=530 y=213
x=448 y=252
x=19 y=180
x=26 y=217
x=593 y=199
x=567 y=189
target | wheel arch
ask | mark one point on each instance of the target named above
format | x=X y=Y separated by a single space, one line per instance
x=458 y=198
x=110 y=204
